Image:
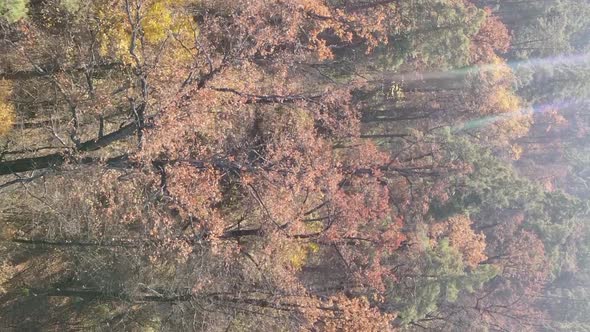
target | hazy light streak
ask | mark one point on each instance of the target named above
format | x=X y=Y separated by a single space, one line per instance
x=484 y=121
x=529 y=63
x=455 y=73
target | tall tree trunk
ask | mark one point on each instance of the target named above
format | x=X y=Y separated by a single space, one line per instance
x=59 y=158
x=28 y=74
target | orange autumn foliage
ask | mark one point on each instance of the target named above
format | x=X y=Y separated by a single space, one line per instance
x=458 y=230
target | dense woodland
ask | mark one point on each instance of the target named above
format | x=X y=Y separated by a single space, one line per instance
x=294 y=165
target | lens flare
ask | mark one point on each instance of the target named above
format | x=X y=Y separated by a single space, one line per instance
x=555 y=61
x=488 y=120
x=460 y=72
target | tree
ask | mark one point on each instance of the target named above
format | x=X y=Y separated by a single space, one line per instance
x=458 y=230
x=13 y=10
x=437 y=282
x=320 y=165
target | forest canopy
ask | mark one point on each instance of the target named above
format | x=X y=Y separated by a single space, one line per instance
x=294 y=165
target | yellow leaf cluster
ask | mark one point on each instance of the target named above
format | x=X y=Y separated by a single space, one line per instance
x=115 y=35
x=6 y=109
x=158 y=19
x=506 y=100
x=156 y=22
x=298 y=257
x=299 y=254
x=6 y=272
